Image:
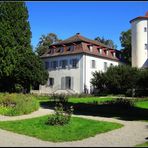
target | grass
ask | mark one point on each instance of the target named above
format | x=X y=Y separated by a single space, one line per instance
x=77 y=129
x=90 y=99
x=142 y=104
x=142 y=145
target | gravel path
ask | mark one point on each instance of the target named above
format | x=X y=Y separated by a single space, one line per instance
x=133 y=132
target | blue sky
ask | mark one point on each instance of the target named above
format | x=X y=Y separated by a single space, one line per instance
x=90 y=19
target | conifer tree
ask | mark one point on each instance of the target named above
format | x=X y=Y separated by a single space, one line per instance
x=15 y=48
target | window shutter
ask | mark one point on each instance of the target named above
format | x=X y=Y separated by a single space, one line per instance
x=63 y=83
x=77 y=61
x=72 y=82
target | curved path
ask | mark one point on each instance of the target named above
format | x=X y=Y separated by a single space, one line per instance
x=133 y=132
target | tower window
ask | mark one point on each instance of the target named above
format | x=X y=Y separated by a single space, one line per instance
x=146 y=46
x=93 y=64
x=145 y=29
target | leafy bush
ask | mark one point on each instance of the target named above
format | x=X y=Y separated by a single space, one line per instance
x=122 y=102
x=121 y=79
x=62 y=98
x=60 y=117
x=17 y=104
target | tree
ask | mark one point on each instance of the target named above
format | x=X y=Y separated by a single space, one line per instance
x=15 y=48
x=45 y=41
x=98 y=81
x=30 y=72
x=125 y=39
x=117 y=79
x=107 y=42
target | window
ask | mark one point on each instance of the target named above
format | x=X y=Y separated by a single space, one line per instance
x=74 y=63
x=100 y=51
x=63 y=63
x=46 y=65
x=146 y=46
x=58 y=49
x=62 y=49
x=114 y=54
x=107 y=52
x=93 y=64
x=54 y=64
x=51 y=82
x=111 y=64
x=52 y=51
x=145 y=29
x=90 y=47
x=71 y=48
x=105 y=66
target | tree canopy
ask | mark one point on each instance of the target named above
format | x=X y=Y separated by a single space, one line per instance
x=107 y=42
x=45 y=41
x=16 y=55
x=125 y=39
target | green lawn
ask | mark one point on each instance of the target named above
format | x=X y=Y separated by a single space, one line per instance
x=90 y=99
x=142 y=104
x=142 y=145
x=77 y=129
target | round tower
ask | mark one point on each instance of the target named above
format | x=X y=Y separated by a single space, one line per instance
x=139 y=30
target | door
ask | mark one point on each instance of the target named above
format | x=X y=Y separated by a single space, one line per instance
x=68 y=83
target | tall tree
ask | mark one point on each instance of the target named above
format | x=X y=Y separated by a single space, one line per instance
x=125 y=39
x=45 y=41
x=107 y=42
x=15 y=45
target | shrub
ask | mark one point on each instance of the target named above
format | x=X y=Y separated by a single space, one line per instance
x=62 y=98
x=122 y=102
x=60 y=117
x=17 y=104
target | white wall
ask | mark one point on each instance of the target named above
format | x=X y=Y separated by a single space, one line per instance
x=99 y=67
x=139 y=39
x=81 y=75
x=57 y=74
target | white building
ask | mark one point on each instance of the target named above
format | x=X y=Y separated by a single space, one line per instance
x=70 y=64
x=139 y=27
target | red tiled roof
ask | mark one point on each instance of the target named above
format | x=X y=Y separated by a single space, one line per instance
x=79 y=38
x=81 y=46
x=140 y=17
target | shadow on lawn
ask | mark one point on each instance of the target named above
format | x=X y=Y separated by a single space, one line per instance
x=105 y=110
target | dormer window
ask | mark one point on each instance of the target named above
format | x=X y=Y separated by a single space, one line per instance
x=107 y=52
x=52 y=51
x=100 y=51
x=70 y=48
x=62 y=49
x=58 y=50
x=90 y=47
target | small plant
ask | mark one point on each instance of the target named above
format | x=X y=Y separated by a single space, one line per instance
x=60 y=117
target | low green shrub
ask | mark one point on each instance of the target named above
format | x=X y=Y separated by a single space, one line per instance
x=62 y=98
x=60 y=117
x=122 y=102
x=17 y=104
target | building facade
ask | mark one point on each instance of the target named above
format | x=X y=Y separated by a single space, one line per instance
x=71 y=62
x=139 y=28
